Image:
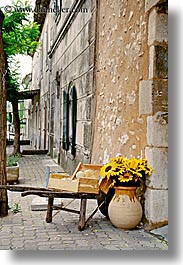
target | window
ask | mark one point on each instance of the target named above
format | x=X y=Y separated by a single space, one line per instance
x=65 y=138
x=58 y=85
x=69 y=118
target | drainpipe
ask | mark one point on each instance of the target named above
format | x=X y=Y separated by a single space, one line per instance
x=50 y=92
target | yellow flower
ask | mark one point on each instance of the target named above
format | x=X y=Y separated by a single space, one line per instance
x=107 y=171
x=126 y=177
x=122 y=169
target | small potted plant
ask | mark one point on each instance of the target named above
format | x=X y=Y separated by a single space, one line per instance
x=12 y=168
x=125 y=175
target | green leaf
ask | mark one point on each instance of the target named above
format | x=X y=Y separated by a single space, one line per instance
x=20 y=36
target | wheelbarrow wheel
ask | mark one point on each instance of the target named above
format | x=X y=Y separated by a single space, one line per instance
x=106 y=199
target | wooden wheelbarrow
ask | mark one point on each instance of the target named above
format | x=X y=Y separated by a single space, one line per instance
x=63 y=186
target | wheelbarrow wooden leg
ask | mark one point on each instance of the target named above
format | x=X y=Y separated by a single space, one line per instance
x=49 y=209
x=82 y=214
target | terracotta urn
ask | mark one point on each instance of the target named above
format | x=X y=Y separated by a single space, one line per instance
x=12 y=174
x=125 y=210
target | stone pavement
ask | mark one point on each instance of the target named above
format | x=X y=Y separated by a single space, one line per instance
x=28 y=230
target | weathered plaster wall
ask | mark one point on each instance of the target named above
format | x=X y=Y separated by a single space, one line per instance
x=132 y=93
x=121 y=64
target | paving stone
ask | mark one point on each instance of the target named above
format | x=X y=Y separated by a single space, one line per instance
x=2 y=247
x=44 y=247
x=17 y=244
x=5 y=242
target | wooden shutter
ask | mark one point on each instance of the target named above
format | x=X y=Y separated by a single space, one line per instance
x=65 y=138
x=73 y=116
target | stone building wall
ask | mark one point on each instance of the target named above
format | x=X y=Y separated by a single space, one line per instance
x=116 y=57
x=40 y=80
x=67 y=53
x=73 y=60
x=132 y=93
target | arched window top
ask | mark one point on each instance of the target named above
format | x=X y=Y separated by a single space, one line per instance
x=72 y=91
x=71 y=86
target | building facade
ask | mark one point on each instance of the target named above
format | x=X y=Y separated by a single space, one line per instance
x=132 y=92
x=102 y=71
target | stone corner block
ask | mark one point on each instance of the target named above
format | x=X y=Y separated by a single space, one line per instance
x=158 y=159
x=160 y=96
x=151 y=3
x=157 y=130
x=158 y=62
x=158 y=27
x=156 y=205
x=145 y=97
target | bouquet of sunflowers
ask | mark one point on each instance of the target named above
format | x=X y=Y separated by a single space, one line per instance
x=121 y=171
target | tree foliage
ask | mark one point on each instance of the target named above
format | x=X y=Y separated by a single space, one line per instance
x=20 y=36
x=12 y=81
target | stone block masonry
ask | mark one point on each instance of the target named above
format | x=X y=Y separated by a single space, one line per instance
x=153 y=96
x=158 y=65
x=145 y=97
x=151 y=3
x=157 y=130
x=156 y=206
x=158 y=23
x=155 y=90
x=158 y=159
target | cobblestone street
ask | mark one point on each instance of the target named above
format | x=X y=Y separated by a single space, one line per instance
x=28 y=230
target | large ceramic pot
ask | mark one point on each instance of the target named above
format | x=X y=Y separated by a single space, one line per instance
x=12 y=174
x=125 y=210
